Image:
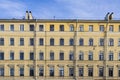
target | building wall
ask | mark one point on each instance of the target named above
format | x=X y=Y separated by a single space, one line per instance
x=46 y=49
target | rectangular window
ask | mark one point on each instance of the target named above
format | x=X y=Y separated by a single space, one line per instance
x=101 y=28
x=61 y=27
x=61 y=42
x=41 y=56
x=21 y=55
x=51 y=42
x=11 y=71
x=1 y=41
x=81 y=72
x=111 y=56
x=2 y=27
x=61 y=71
x=21 y=41
x=71 y=42
x=119 y=42
x=21 y=72
x=101 y=56
x=61 y=56
x=1 y=71
x=51 y=71
x=41 y=71
x=119 y=28
x=119 y=56
x=81 y=28
x=41 y=27
x=21 y=27
x=119 y=72
x=51 y=27
x=71 y=27
x=31 y=41
x=110 y=72
x=31 y=27
x=101 y=72
x=1 y=55
x=41 y=41
x=111 y=28
x=81 y=56
x=90 y=28
x=11 y=41
x=90 y=72
x=11 y=27
x=31 y=72
x=71 y=56
x=71 y=71
x=31 y=56
x=11 y=55
x=51 y=55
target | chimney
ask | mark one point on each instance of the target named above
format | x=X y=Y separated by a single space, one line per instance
x=30 y=15
x=107 y=16
x=111 y=16
x=27 y=15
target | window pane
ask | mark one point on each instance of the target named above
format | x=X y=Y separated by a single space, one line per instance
x=31 y=56
x=11 y=71
x=12 y=27
x=61 y=42
x=31 y=72
x=51 y=70
x=61 y=27
x=41 y=56
x=111 y=28
x=91 y=28
x=71 y=27
x=41 y=71
x=71 y=71
x=11 y=41
x=52 y=42
x=81 y=72
x=21 y=55
x=41 y=27
x=61 y=56
x=11 y=55
x=61 y=71
x=21 y=27
x=90 y=71
x=71 y=42
x=110 y=72
x=51 y=55
x=81 y=42
x=81 y=28
x=2 y=27
x=21 y=72
x=41 y=41
x=51 y=27
x=101 y=28
x=1 y=41
x=21 y=41
x=31 y=41
x=1 y=71
x=1 y=55
x=101 y=72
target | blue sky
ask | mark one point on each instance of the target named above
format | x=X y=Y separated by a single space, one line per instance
x=47 y=9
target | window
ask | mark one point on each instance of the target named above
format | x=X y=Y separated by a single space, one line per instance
x=111 y=42
x=90 y=42
x=31 y=72
x=71 y=27
x=61 y=42
x=1 y=55
x=41 y=27
x=61 y=71
x=41 y=41
x=90 y=56
x=101 y=56
x=11 y=27
x=22 y=27
x=11 y=41
x=111 y=28
x=110 y=72
x=51 y=27
x=101 y=28
x=31 y=27
x=21 y=41
x=1 y=41
x=71 y=42
x=119 y=42
x=90 y=71
x=41 y=56
x=2 y=27
x=119 y=72
x=101 y=43
x=81 y=71
x=51 y=71
x=61 y=56
x=81 y=28
x=119 y=28
x=71 y=71
x=21 y=55
x=81 y=42
x=119 y=56
x=21 y=72
x=111 y=56
x=61 y=27
x=81 y=56
x=51 y=55
x=1 y=71
x=31 y=41
x=101 y=72
x=31 y=56
x=90 y=28
x=71 y=56
x=52 y=42
x=11 y=55
x=11 y=71
x=41 y=71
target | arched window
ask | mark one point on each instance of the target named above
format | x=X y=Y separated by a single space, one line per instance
x=111 y=42
x=81 y=42
x=61 y=41
x=71 y=55
x=81 y=56
x=111 y=56
x=90 y=42
x=90 y=56
x=71 y=42
x=101 y=55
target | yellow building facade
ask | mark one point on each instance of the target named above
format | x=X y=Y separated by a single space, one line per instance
x=59 y=49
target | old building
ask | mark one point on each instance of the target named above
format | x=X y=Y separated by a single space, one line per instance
x=59 y=49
